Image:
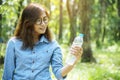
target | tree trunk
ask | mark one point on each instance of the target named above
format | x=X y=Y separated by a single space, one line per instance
x=1 y=60
x=19 y=10
x=103 y=11
x=118 y=7
x=85 y=12
x=0 y=25
x=60 y=21
x=100 y=29
x=0 y=21
x=49 y=7
x=1 y=57
x=72 y=12
x=118 y=30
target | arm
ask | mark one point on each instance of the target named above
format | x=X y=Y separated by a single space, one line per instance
x=9 y=62
x=66 y=69
x=56 y=62
x=77 y=52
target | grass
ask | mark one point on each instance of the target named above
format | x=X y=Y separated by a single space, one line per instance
x=106 y=68
x=1 y=71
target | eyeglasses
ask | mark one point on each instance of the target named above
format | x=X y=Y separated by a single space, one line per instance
x=40 y=20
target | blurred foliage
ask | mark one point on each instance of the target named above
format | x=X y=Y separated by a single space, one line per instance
x=10 y=10
x=2 y=49
x=107 y=66
x=107 y=56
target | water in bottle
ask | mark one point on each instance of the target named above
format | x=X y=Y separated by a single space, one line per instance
x=78 y=41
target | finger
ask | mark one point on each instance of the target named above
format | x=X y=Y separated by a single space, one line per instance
x=73 y=51
x=76 y=51
x=77 y=48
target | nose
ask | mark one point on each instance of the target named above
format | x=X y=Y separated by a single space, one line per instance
x=42 y=22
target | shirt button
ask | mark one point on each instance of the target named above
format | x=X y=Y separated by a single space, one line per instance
x=33 y=52
x=33 y=62
x=32 y=71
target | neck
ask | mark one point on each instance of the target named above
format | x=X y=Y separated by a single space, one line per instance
x=36 y=38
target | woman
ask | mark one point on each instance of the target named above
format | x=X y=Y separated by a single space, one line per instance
x=31 y=52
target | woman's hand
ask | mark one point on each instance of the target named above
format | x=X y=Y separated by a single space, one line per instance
x=77 y=52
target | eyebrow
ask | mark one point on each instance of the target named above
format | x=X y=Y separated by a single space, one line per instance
x=43 y=17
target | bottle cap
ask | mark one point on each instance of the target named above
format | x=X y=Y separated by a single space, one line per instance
x=81 y=35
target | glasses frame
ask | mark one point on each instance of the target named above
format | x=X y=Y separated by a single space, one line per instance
x=42 y=20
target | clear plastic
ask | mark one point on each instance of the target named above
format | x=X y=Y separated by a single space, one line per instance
x=78 y=41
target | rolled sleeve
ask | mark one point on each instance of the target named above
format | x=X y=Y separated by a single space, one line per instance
x=60 y=76
x=9 y=64
x=57 y=64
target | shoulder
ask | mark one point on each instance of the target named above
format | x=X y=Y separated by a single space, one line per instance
x=10 y=42
x=13 y=40
x=54 y=42
x=55 y=45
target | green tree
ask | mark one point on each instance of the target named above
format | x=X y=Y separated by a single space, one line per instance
x=117 y=35
x=72 y=8
x=0 y=20
x=20 y=7
x=85 y=12
x=61 y=20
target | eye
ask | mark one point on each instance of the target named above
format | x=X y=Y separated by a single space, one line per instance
x=45 y=19
x=38 y=21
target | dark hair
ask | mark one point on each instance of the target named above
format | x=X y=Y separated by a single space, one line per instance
x=25 y=27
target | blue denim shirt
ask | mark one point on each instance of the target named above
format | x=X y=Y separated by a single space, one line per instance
x=32 y=64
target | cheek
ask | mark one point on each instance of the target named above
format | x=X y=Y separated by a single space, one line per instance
x=35 y=28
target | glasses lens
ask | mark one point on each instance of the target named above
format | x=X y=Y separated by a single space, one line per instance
x=38 y=21
x=45 y=20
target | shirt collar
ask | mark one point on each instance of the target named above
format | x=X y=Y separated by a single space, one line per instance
x=43 y=39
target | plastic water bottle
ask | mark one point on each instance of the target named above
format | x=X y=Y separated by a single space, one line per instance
x=78 y=41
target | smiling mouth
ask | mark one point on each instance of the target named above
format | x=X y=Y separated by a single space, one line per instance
x=42 y=28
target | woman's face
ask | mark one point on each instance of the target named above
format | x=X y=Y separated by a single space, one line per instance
x=41 y=24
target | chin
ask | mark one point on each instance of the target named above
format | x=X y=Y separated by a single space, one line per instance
x=42 y=32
